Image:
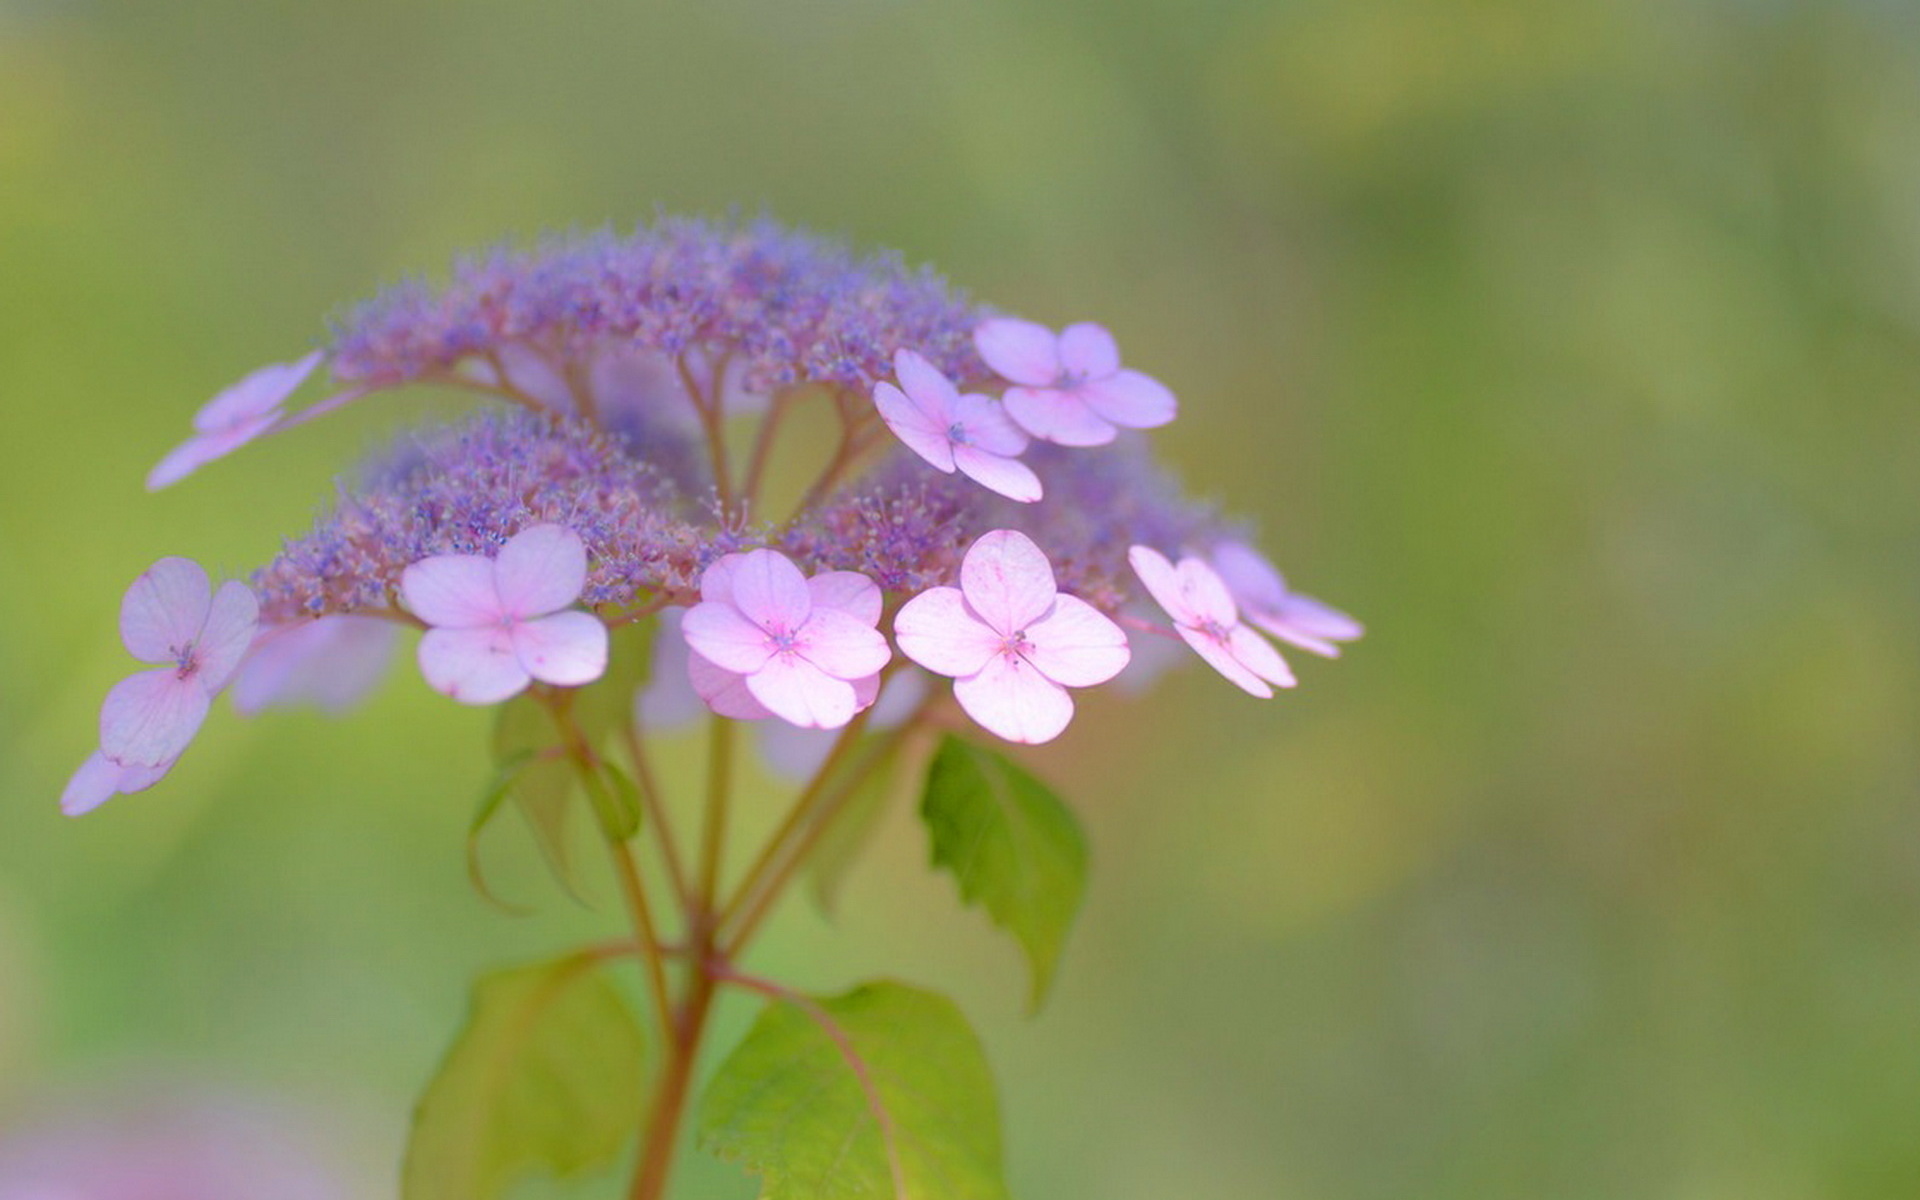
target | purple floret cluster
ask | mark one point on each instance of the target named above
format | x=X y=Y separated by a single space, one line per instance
x=988 y=493
x=792 y=308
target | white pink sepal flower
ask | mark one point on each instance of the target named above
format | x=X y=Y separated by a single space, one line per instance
x=171 y=617
x=498 y=624
x=1205 y=616
x=236 y=416
x=954 y=431
x=1012 y=641
x=1265 y=600
x=768 y=640
x=1069 y=387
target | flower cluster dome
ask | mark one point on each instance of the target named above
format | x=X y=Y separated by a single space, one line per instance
x=989 y=510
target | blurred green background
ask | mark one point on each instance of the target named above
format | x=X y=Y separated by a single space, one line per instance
x=1573 y=346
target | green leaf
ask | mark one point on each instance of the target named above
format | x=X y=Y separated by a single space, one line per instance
x=618 y=802
x=548 y=1072
x=483 y=814
x=882 y=1092
x=544 y=787
x=1011 y=845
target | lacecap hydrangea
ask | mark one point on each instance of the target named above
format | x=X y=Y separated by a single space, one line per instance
x=989 y=501
x=734 y=470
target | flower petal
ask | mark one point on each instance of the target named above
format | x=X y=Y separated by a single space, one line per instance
x=1076 y=644
x=202 y=448
x=669 y=699
x=842 y=645
x=850 y=592
x=331 y=663
x=564 y=648
x=1131 y=399
x=1192 y=593
x=723 y=636
x=1019 y=351
x=474 y=666
x=937 y=630
x=231 y=621
x=797 y=691
x=150 y=718
x=1309 y=624
x=1223 y=660
x=1088 y=351
x=770 y=591
x=1013 y=699
x=1257 y=654
x=452 y=591
x=99 y=780
x=1008 y=476
x=925 y=434
x=925 y=384
x=724 y=691
x=987 y=425
x=259 y=393
x=164 y=610
x=716 y=582
x=1254 y=582
x=540 y=570
x=1062 y=418
x=1007 y=580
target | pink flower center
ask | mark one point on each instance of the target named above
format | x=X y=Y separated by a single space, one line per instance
x=1015 y=646
x=186 y=660
x=957 y=434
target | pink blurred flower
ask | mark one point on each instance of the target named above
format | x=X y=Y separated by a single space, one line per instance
x=331 y=663
x=1070 y=387
x=497 y=623
x=968 y=433
x=1264 y=600
x=766 y=640
x=233 y=418
x=1011 y=640
x=1205 y=616
x=167 y=1147
x=170 y=616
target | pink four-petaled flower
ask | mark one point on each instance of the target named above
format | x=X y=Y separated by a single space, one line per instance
x=171 y=617
x=497 y=623
x=233 y=418
x=1205 y=616
x=804 y=650
x=1012 y=641
x=1266 y=601
x=955 y=430
x=1070 y=388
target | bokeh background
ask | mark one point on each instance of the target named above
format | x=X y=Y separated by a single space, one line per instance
x=1574 y=346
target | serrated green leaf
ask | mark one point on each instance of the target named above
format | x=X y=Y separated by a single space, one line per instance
x=879 y=1093
x=1011 y=845
x=548 y=1073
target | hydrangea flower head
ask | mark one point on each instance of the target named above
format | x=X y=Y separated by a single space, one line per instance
x=1266 y=601
x=601 y=483
x=497 y=624
x=172 y=617
x=955 y=431
x=800 y=645
x=233 y=418
x=1206 y=618
x=1012 y=641
x=1070 y=387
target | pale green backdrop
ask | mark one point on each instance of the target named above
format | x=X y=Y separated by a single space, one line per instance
x=1574 y=346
